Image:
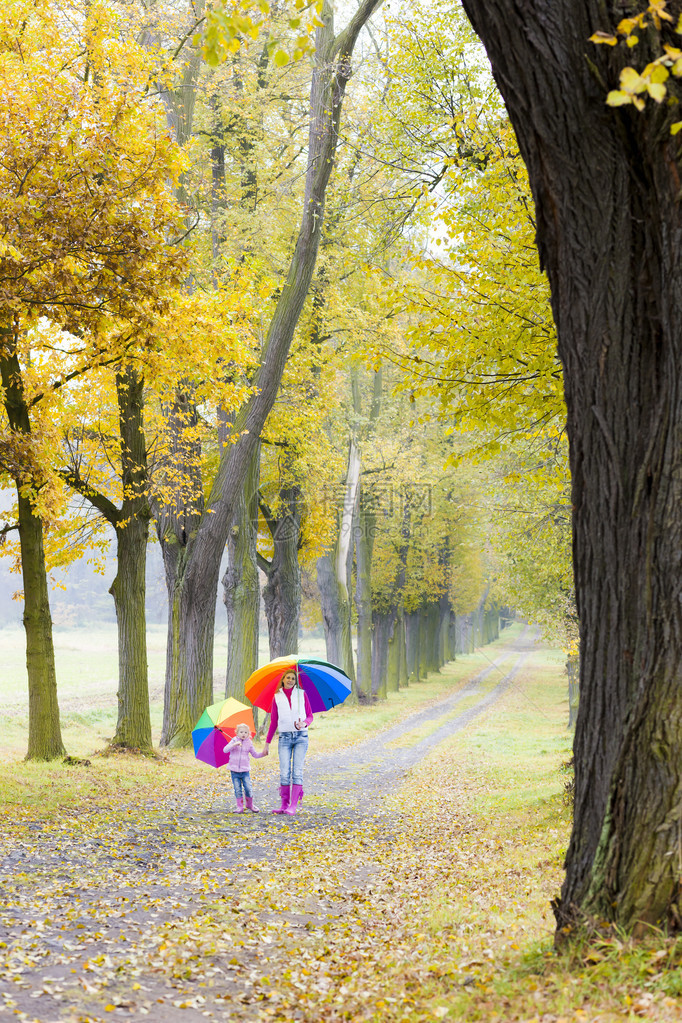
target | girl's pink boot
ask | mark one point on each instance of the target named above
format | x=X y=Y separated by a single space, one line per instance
x=240 y=806
x=250 y=806
x=284 y=796
x=296 y=797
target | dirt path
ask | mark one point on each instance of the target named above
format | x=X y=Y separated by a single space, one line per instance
x=85 y=905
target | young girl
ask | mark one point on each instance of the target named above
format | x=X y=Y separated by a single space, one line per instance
x=291 y=713
x=239 y=749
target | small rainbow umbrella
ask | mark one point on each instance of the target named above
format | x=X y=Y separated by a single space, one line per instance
x=216 y=726
x=325 y=683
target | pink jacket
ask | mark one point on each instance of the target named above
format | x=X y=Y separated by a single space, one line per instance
x=239 y=754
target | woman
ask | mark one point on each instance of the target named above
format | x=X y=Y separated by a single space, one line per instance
x=291 y=714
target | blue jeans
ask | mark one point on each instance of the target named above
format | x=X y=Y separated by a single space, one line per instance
x=241 y=779
x=292 y=748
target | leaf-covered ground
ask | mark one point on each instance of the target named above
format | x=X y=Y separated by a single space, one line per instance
x=133 y=891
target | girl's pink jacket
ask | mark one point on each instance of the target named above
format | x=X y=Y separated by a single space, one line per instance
x=239 y=755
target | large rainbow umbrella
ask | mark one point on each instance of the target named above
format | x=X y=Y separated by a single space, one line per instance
x=325 y=683
x=216 y=726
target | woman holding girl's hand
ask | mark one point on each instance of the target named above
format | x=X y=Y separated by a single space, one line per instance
x=290 y=714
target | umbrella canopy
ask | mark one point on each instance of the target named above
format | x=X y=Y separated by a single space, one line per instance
x=216 y=726
x=325 y=683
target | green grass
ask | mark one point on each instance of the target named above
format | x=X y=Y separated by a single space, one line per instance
x=87 y=681
x=351 y=723
x=87 y=669
x=88 y=714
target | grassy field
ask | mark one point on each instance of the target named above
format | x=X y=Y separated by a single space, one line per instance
x=87 y=679
x=87 y=668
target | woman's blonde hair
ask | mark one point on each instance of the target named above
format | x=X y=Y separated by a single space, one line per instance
x=289 y=671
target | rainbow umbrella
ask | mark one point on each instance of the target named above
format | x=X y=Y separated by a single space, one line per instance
x=216 y=726
x=325 y=683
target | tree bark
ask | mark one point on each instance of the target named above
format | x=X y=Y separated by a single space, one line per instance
x=241 y=587
x=396 y=652
x=364 y=533
x=133 y=728
x=44 y=731
x=413 y=644
x=606 y=185
x=425 y=642
x=382 y=627
x=442 y=630
x=452 y=637
x=333 y=576
x=336 y=615
x=282 y=592
x=403 y=676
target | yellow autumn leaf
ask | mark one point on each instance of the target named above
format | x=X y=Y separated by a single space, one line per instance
x=616 y=98
x=604 y=37
x=674 y=128
x=631 y=81
x=657 y=9
x=656 y=72
x=657 y=91
x=626 y=26
x=281 y=58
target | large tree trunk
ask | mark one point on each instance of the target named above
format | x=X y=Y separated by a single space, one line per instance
x=433 y=661
x=606 y=185
x=403 y=675
x=44 y=732
x=389 y=654
x=396 y=653
x=192 y=571
x=335 y=607
x=364 y=533
x=282 y=592
x=333 y=575
x=189 y=652
x=413 y=644
x=191 y=604
x=382 y=626
x=443 y=630
x=133 y=729
x=241 y=587
x=130 y=523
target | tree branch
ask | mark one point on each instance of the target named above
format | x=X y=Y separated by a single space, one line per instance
x=263 y=563
x=107 y=508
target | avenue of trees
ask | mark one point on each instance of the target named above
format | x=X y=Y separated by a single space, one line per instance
x=198 y=341
x=269 y=286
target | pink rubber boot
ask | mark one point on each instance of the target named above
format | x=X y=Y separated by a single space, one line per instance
x=284 y=796
x=250 y=806
x=296 y=797
x=240 y=806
